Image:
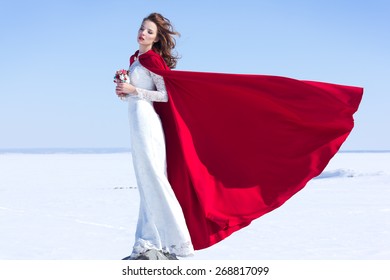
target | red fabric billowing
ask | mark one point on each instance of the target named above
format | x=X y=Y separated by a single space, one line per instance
x=239 y=146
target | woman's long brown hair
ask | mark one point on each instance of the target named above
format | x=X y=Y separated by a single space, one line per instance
x=166 y=41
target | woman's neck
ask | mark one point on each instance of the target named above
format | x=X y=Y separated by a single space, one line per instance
x=143 y=49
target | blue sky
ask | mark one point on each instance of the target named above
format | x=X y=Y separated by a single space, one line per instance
x=57 y=59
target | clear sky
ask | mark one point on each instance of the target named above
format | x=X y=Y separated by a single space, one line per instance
x=57 y=59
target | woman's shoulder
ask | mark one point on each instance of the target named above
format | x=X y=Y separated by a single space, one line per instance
x=133 y=57
x=153 y=60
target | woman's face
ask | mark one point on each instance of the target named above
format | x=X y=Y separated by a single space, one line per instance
x=147 y=34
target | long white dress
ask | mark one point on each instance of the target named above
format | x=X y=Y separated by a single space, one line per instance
x=161 y=224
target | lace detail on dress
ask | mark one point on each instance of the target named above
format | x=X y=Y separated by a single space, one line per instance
x=159 y=95
x=158 y=91
x=184 y=250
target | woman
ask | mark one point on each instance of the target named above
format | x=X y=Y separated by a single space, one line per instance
x=161 y=228
x=237 y=146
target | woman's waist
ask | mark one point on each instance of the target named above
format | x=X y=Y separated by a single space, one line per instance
x=136 y=104
x=135 y=101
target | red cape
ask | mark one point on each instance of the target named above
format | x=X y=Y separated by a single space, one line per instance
x=239 y=146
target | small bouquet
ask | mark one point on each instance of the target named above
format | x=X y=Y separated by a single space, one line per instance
x=122 y=76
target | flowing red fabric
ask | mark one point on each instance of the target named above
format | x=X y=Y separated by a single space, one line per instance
x=239 y=146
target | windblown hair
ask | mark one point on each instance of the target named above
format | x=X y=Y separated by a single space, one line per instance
x=166 y=41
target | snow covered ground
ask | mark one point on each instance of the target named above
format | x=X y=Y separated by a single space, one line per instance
x=85 y=206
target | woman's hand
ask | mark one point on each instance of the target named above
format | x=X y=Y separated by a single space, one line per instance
x=124 y=89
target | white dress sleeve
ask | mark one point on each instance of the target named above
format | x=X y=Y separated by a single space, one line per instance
x=158 y=95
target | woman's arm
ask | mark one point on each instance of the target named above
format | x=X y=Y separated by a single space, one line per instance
x=158 y=95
